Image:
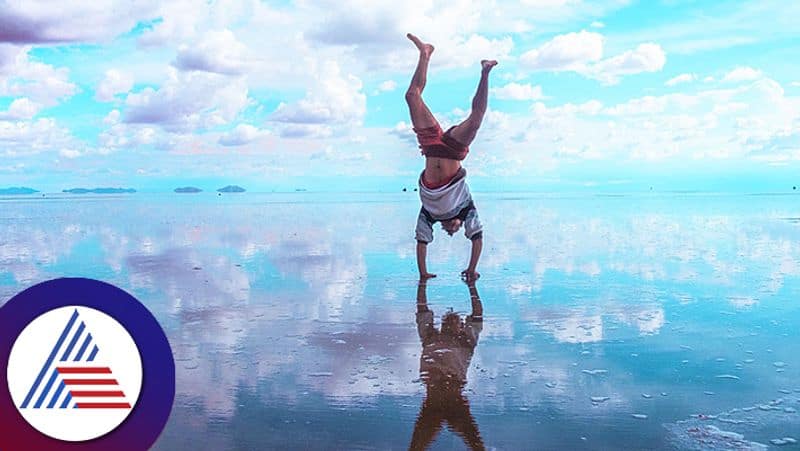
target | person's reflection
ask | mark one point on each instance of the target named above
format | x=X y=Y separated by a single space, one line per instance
x=443 y=364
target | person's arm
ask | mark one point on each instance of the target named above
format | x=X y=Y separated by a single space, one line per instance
x=470 y=274
x=473 y=229
x=475 y=298
x=474 y=323
x=422 y=296
x=424 y=314
x=424 y=235
x=422 y=252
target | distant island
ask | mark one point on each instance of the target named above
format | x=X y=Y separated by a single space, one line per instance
x=188 y=189
x=16 y=190
x=232 y=189
x=99 y=190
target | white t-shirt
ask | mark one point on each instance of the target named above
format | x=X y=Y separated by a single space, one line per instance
x=447 y=202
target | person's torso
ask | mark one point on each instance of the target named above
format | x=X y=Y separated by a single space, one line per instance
x=445 y=361
x=440 y=170
x=446 y=201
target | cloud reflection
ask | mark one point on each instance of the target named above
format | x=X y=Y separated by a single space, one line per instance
x=284 y=300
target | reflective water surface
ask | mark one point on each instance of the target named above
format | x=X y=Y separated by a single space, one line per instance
x=599 y=322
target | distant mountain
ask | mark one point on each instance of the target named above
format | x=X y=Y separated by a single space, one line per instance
x=14 y=190
x=99 y=190
x=188 y=189
x=232 y=189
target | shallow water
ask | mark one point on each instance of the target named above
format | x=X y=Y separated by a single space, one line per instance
x=624 y=322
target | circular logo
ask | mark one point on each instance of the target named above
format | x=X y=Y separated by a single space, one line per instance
x=57 y=364
x=88 y=368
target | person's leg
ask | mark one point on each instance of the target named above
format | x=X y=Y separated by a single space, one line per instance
x=465 y=132
x=421 y=116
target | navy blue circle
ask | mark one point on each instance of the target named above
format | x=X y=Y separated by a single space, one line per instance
x=150 y=413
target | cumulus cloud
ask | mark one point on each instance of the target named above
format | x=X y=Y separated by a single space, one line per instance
x=241 y=135
x=517 y=91
x=40 y=22
x=218 y=51
x=566 y=52
x=404 y=132
x=648 y=57
x=374 y=24
x=649 y=105
x=31 y=137
x=306 y=131
x=582 y=52
x=335 y=98
x=379 y=27
x=8 y=54
x=375 y=37
x=330 y=154
x=782 y=146
x=470 y=51
x=188 y=101
x=388 y=85
x=115 y=82
x=385 y=86
x=22 y=108
x=178 y=21
x=741 y=74
x=588 y=108
x=121 y=135
x=682 y=78
x=215 y=56
x=755 y=120
x=188 y=21
x=69 y=153
x=42 y=83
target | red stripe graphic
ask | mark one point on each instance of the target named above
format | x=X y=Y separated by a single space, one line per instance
x=87 y=370
x=103 y=405
x=97 y=394
x=90 y=382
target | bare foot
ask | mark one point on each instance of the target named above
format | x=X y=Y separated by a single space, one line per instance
x=487 y=65
x=425 y=49
x=424 y=277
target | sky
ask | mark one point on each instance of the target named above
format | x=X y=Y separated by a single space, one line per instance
x=607 y=95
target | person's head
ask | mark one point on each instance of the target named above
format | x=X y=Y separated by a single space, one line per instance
x=451 y=226
x=451 y=324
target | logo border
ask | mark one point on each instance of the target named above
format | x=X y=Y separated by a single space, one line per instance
x=145 y=423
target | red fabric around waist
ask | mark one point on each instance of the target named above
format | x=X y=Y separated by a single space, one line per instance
x=437 y=185
x=434 y=143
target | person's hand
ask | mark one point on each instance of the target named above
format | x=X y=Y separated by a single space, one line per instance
x=423 y=277
x=469 y=276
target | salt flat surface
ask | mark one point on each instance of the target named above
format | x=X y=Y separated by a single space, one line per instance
x=631 y=322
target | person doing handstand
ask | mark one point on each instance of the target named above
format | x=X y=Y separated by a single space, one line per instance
x=443 y=189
